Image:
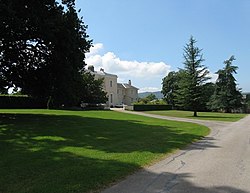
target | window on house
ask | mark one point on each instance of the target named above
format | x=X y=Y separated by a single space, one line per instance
x=111 y=83
x=111 y=98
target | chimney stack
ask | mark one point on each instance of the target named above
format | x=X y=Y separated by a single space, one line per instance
x=129 y=82
x=91 y=68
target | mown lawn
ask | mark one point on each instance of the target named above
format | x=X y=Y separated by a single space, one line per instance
x=55 y=151
x=231 y=117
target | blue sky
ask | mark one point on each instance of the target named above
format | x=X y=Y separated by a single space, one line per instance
x=143 y=40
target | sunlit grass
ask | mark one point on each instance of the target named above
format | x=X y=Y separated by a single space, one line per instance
x=56 y=151
x=231 y=117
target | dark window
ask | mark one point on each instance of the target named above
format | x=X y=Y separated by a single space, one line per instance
x=111 y=98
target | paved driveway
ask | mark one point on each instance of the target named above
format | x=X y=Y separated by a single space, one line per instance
x=220 y=163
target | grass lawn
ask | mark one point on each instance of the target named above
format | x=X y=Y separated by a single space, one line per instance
x=55 y=151
x=231 y=117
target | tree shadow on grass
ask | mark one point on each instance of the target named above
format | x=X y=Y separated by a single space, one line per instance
x=110 y=135
x=63 y=153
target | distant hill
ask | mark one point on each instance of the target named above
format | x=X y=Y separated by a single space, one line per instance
x=158 y=94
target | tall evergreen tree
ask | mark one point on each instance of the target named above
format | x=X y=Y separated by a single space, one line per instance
x=190 y=91
x=226 y=96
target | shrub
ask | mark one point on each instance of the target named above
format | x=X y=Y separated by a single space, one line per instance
x=145 y=101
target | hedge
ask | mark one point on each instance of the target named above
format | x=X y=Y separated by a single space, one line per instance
x=20 y=102
x=152 y=107
x=88 y=106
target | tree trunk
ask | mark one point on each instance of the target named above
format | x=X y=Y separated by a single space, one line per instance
x=49 y=102
x=195 y=113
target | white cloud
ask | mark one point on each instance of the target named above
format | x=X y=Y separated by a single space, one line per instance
x=113 y=64
x=146 y=75
x=95 y=49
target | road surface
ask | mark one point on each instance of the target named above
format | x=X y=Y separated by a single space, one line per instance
x=220 y=163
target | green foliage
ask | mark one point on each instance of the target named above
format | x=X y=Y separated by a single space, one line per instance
x=248 y=106
x=170 y=86
x=42 y=49
x=142 y=101
x=227 y=96
x=93 y=90
x=82 y=151
x=207 y=92
x=248 y=100
x=151 y=99
x=158 y=102
x=186 y=88
x=190 y=88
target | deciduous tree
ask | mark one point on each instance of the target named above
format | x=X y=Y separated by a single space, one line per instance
x=42 y=47
x=170 y=86
x=93 y=90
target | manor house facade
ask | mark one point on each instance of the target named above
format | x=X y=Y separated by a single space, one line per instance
x=118 y=93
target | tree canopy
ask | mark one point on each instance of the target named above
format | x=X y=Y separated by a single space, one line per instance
x=171 y=85
x=226 y=96
x=190 y=88
x=42 y=49
x=93 y=90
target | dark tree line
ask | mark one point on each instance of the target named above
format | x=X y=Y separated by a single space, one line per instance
x=189 y=88
x=42 y=50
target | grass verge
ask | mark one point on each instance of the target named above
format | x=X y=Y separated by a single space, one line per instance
x=213 y=116
x=52 y=151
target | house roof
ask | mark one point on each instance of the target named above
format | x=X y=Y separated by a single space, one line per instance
x=102 y=73
x=125 y=85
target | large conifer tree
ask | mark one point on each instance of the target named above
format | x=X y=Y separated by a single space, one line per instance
x=226 y=96
x=190 y=87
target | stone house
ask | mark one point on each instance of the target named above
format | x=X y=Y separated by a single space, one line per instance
x=118 y=93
